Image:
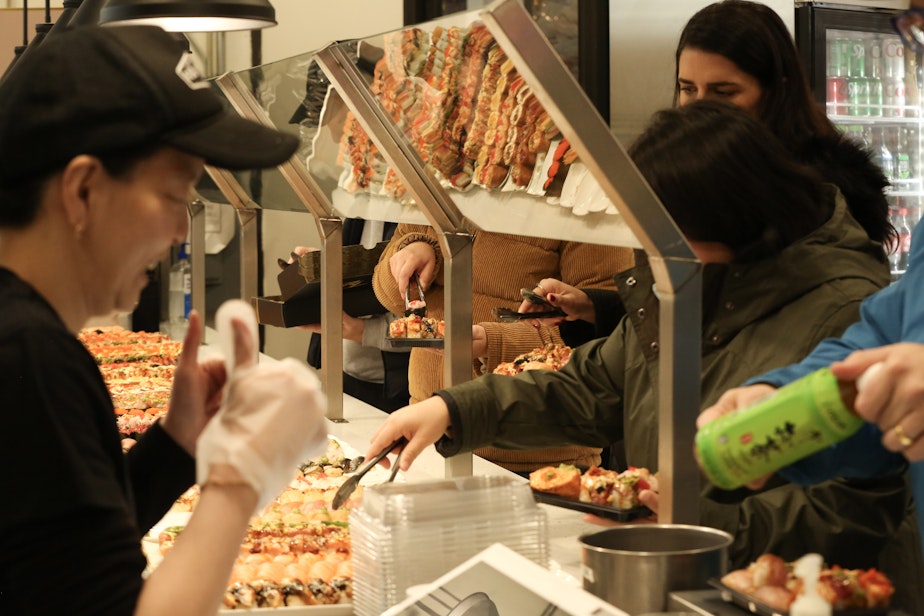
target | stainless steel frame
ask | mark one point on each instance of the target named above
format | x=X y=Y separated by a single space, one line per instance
x=197 y=254
x=456 y=235
x=676 y=270
x=246 y=211
x=330 y=228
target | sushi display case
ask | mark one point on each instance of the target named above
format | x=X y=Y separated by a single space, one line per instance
x=472 y=123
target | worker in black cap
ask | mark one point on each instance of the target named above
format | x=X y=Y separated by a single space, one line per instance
x=104 y=133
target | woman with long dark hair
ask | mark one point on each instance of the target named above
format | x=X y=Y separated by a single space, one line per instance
x=742 y=52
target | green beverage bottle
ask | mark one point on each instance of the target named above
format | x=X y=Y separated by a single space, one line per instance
x=795 y=421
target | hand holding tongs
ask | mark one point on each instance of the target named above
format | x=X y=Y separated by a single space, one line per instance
x=420 y=308
x=506 y=315
x=349 y=486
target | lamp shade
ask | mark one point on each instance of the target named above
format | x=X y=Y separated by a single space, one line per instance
x=192 y=15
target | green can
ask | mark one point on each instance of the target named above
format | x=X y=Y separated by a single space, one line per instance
x=795 y=421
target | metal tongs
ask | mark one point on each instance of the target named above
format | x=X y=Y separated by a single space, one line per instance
x=349 y=486
x=506 y=315
x=420 y=310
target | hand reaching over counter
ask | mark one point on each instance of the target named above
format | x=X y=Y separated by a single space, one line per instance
x=573 y=301
x=422 y=424
x=417 y=258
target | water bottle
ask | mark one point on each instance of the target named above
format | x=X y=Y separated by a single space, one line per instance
x=901 y=155
x=180 y=293
x=904 y=239
x=894 y=248
x=795 y=421
x=881 y=153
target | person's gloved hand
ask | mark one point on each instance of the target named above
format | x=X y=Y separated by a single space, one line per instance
x=271 y=420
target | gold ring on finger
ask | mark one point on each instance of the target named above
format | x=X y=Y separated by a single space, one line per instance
x=541 y=288
x=903 y=439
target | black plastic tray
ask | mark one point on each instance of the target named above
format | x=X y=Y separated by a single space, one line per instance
x=754 y=606
x=604 y=511
x=415 y=342
x=304 y=308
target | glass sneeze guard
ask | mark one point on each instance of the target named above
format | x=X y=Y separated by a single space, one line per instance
x=380 y=152
x=330 y=228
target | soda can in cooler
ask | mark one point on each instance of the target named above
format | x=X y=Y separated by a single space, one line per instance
x=838 y=52
x=874 y=58
x=857 y=96
x=893 y=98
x=857 y=83
x=874 y=73
x=893 y=51
x=856 y=60
x=893 y=79
x=837 y=96
x=914 y=84
x=876 y=95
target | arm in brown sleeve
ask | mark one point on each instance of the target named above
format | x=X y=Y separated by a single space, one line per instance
x=384 y=284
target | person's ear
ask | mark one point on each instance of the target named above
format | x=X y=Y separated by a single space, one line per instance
x=80 y=178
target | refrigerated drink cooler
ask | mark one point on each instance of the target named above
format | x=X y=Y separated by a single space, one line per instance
x=873 y=91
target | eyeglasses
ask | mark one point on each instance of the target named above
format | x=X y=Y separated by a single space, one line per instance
x=910 y=27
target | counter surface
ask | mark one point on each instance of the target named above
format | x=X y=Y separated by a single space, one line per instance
x=361 y=422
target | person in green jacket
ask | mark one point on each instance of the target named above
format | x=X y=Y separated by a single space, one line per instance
x=780 y=274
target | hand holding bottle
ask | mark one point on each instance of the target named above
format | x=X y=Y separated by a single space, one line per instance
x=893 y=396
x=729 y=402
x=791 y=423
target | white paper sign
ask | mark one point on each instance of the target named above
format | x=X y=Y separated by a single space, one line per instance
x=501 y=581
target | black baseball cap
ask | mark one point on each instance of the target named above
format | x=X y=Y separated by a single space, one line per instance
x=102 y=89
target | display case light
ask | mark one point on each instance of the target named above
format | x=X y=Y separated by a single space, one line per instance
x=192 y=16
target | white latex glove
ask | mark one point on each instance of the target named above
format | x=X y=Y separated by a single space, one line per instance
x=270 y=421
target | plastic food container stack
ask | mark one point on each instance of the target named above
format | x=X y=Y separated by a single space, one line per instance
x=412 y=533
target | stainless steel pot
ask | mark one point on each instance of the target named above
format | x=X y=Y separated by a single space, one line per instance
x=635 y=567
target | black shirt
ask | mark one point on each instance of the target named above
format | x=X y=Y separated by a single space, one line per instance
x=75 y=507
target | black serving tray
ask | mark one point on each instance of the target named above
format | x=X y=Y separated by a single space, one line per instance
x=604 y=511
x=754 y=606
x=437 y=343
x=304 y=308
x=299 y=301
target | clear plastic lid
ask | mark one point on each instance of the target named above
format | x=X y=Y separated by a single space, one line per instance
x=445 y=499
